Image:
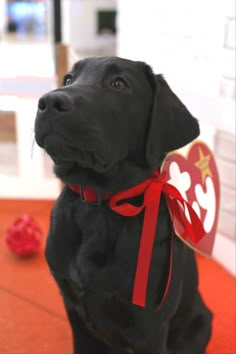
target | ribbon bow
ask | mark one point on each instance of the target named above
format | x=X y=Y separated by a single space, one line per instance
x=190 y=226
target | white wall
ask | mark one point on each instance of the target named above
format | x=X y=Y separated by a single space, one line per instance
x=182 y=39
x=80 y=21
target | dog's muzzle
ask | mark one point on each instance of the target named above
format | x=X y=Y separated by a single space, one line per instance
x=50 y=105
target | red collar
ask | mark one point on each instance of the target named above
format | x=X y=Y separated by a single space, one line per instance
x=152 y=188
x=88 y=195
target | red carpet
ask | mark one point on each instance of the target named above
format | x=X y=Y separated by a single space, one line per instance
x=32 y=318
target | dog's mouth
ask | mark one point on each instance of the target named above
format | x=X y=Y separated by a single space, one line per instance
x=67 y=157
x=82 y=164
x=84 y=160
x=91 y=163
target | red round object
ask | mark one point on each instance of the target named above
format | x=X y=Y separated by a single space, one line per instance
x=24 y=236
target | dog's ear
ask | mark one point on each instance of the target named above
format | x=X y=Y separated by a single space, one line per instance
x=171 y=124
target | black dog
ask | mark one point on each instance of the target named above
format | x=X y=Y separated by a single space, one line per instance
x=108 y=128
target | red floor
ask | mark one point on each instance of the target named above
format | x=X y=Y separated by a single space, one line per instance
x=32 y=318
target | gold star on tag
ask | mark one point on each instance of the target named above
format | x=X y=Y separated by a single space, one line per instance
x=203 y=164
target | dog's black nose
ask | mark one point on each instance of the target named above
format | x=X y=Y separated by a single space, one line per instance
x=55 y=101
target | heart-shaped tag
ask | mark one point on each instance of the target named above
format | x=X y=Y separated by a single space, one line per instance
x=196 y=178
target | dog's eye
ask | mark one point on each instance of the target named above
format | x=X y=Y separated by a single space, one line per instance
x=67 y=80
x=120 y=84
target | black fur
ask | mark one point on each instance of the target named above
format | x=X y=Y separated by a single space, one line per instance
x=108 y=128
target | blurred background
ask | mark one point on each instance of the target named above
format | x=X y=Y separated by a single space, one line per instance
x=192 y=42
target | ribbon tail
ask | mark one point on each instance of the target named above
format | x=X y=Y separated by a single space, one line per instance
x=194 y=230
x=145 y=251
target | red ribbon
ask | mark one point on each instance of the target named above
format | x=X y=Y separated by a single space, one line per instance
x=152 y=189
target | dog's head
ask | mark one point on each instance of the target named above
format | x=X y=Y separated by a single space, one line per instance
x=111 y=123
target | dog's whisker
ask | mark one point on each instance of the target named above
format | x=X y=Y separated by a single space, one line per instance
x=32 y=137
x=32 y=146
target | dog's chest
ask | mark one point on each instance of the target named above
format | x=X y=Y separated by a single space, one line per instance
x=93 y=246
x=92 y=253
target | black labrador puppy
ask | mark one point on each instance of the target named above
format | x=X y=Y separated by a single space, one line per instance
x=108 y=128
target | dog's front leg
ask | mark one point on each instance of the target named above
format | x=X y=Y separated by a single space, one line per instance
x=84 y=342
